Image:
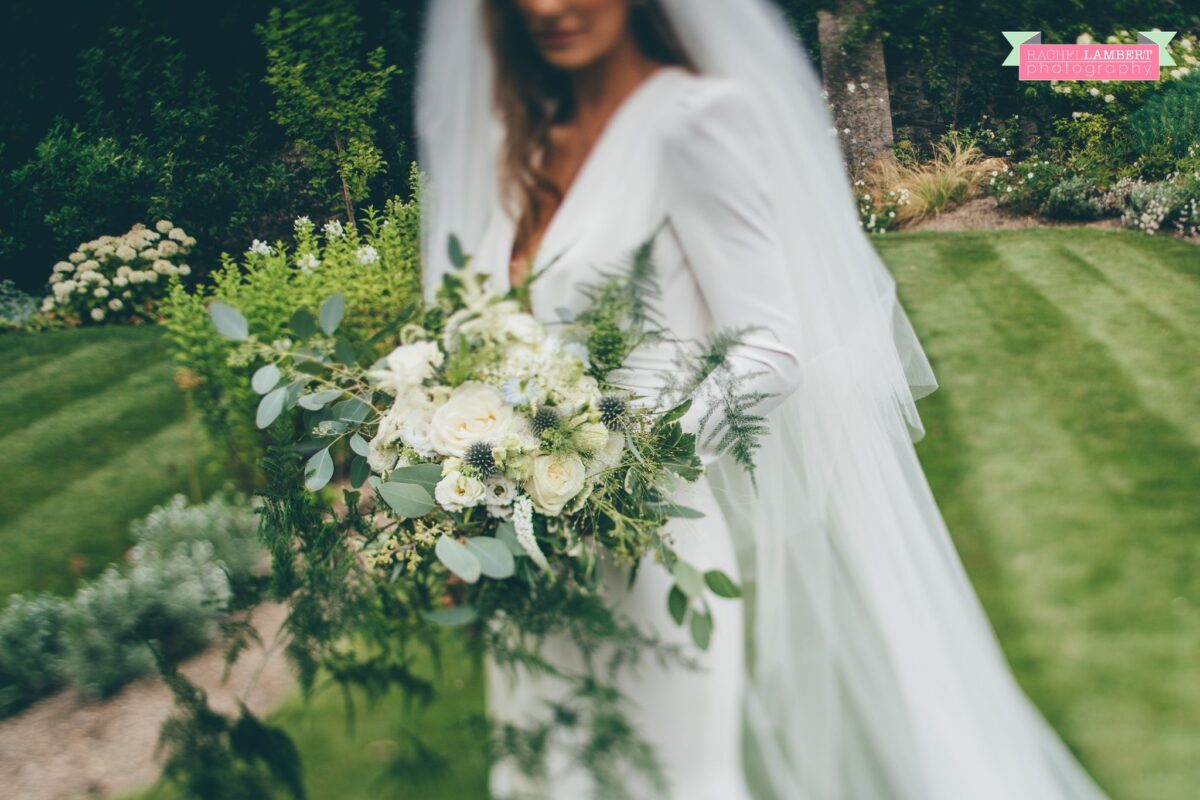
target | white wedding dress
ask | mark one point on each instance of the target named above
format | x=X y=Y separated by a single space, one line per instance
x=861 y=666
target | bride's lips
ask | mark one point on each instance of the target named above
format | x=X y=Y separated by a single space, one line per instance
x=556 y=38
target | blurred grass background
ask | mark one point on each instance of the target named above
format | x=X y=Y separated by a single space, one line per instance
x=1063 y=447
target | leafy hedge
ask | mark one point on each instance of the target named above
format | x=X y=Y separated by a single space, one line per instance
x=375 y=265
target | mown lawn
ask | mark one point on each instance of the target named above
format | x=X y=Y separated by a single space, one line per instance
x=93 y=437
x=1064 y=449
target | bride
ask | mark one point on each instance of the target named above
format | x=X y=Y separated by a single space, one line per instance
x=556 y=136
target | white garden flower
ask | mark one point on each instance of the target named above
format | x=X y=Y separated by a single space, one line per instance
x=163 y=266
x=457 y=492
x=47 y=303
x=307 y=262
x=1094 y=92
x=167 y=248
x=590 y=437
x=521 y=327
x=98 y=314
x=302 y=223
x=555 y=480
x=163 y=226
x=367 y=254
x=333 y=229
x=115 y=304
x=1083 y=38
x=261 y=248
x=76 y=258
x=177 y=235
x=100 y=292
x=500 y=493
x=1108 y=98
x=407 y=366
x=126 y=253
x=64 y=266
x=149 y=254
x=474 y=412
x=184 y=269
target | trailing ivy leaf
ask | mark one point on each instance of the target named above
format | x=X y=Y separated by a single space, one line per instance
x=359 y=445
x=426 y=475
x=506 y=532
x=270 y=407
x=677 y=604
x=344 y=352
x=303 y=323
x=408 y=500
x=265 y=378
x=458 y=559
x=318 y=471
x=318 y=400
x=690 y=581
x=457 y=257
x=229 y=321
x=702 y=630
x=721 y=584
x=451 y=617
x=359 y=470
x=494 y=557
x=331 y=313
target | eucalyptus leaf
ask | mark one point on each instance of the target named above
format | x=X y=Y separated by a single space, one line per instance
x=506 y=532
x=721 y=584
x=494 y=556
x=265 y=378
x=457 y=257
x=228 y=321
x=318 y=400
x=359 y=470
x=451 y=617
x=303 y=323
x=344 y=352
x=352 y=409
x=360 y=446
x=408 y=500
x=702 y=626
x=426 y=475
x=318 y=471
x=677 y=604
x=690 y=581
x=458 y=559
x=270 y=407
x=331 y=313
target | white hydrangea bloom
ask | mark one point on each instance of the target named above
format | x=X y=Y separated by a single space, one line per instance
x=100 y=292
x=97 y=314
x=177 y=235
x=163 y=226
x=115 y=304
x=184 y=269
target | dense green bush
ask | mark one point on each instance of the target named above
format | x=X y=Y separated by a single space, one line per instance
x=1170 y=118
x=1170 y=206
x=183 y=575
x=1072 y=198
x=31 y=649
x=171 y=600
x=375 y=265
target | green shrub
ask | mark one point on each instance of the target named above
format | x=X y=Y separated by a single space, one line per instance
x=172 y=601
x=1170 y=118
x=375 y=265
x=226 y=522
x=1167 y=206
x=1026 y=187
x=31 y=649
x=1072 y=198
x=16 y=307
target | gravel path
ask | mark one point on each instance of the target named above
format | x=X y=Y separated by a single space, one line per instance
x=64 y=748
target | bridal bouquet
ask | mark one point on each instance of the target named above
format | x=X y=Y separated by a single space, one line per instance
x=495 y=471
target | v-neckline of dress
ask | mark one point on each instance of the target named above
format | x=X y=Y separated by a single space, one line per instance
x=581 y=174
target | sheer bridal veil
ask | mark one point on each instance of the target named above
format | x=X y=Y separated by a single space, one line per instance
x=873 y=671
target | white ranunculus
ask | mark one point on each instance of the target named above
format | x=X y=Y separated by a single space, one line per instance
x=475 y=412
x=407 y=366
x=456 y=492
x=555 y=480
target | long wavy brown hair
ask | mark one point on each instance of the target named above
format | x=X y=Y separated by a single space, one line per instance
x=532 y=96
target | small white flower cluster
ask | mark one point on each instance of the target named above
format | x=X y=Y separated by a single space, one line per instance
x=482 y=431
x=114 y=277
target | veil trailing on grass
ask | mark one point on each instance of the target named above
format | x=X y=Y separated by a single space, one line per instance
x=873 y=671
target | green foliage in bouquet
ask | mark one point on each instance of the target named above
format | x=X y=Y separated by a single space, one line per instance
x=497 y=480
x=375 y=265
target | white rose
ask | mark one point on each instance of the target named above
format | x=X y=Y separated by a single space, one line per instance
x=456 y=492
x=555 y=480
x=407 y=366
x=475 y=412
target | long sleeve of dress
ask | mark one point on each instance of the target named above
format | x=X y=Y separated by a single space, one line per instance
x=720 y=209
